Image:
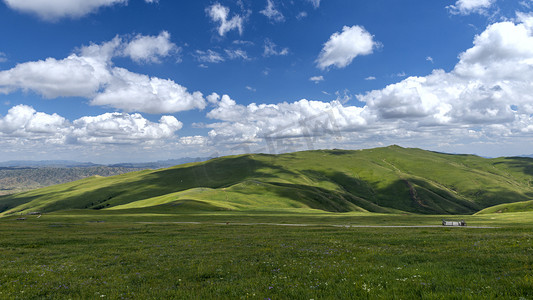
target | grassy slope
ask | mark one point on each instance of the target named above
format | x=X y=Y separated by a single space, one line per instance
x=524 y=206
x=391 y=179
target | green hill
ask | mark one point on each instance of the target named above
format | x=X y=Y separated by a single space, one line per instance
x=523 y=206
x=385 y=180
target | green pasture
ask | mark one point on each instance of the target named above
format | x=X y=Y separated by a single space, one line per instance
x=160 y=254
x=325 y=224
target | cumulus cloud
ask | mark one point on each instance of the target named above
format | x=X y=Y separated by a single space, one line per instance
x=283 y=120
x=272 y=13
x=55 y=9
x=466 y=7
x=121 y=128
x=150 y=48
x=270 y=49
x=486 y=98
x=343 y=47
x=74 y=76
x=130 y=91
x=220 y=14
x=490 y=78
x=24 y=122
x=90 y=74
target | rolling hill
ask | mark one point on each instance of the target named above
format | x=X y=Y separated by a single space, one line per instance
x=384 y=180
x=522 y=206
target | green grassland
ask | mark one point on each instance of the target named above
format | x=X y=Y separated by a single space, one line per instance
x=308 y=225
x=381 y=180
x=202 y=254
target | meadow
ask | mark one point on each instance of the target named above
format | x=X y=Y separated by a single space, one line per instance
x=325 y=224
x=109 y=254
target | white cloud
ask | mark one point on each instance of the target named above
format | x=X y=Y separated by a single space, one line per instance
x=315 y=3
x=74 y=76
x=209 y=56
x=3 y=57
x=244 y=43
x=342 y=48
x=525 y=3
x=150 y=48
x=91 y=74
x=213 y=98
x=196 y=140
x=135 y=92
x=430 y=59
x=23 y=123
x=485 y=100
x=251 y=89
x=317 y=79
x=272 y=13
x=236 y=54
x=283 y=120
x=370 y=78
x=466 y=7
x=301 y=15
x=271 y=49
x=55 y=9
x=220 y=14
x=490 y=77
x=121 y=128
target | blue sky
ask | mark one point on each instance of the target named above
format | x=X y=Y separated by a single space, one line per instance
x=139 y=80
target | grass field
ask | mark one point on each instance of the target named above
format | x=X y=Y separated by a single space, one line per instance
x=135 y=254
x=306 y=225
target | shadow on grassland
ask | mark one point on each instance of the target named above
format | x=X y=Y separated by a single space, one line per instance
x=216 y=173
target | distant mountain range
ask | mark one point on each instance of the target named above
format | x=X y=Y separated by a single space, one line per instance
x=76 y=164
x=45 y=163
x=24 y=175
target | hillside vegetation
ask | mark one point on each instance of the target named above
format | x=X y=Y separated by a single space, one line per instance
x=523 y=206
x=384 y=180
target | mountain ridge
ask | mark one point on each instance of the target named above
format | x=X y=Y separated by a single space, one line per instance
x=385 y=180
